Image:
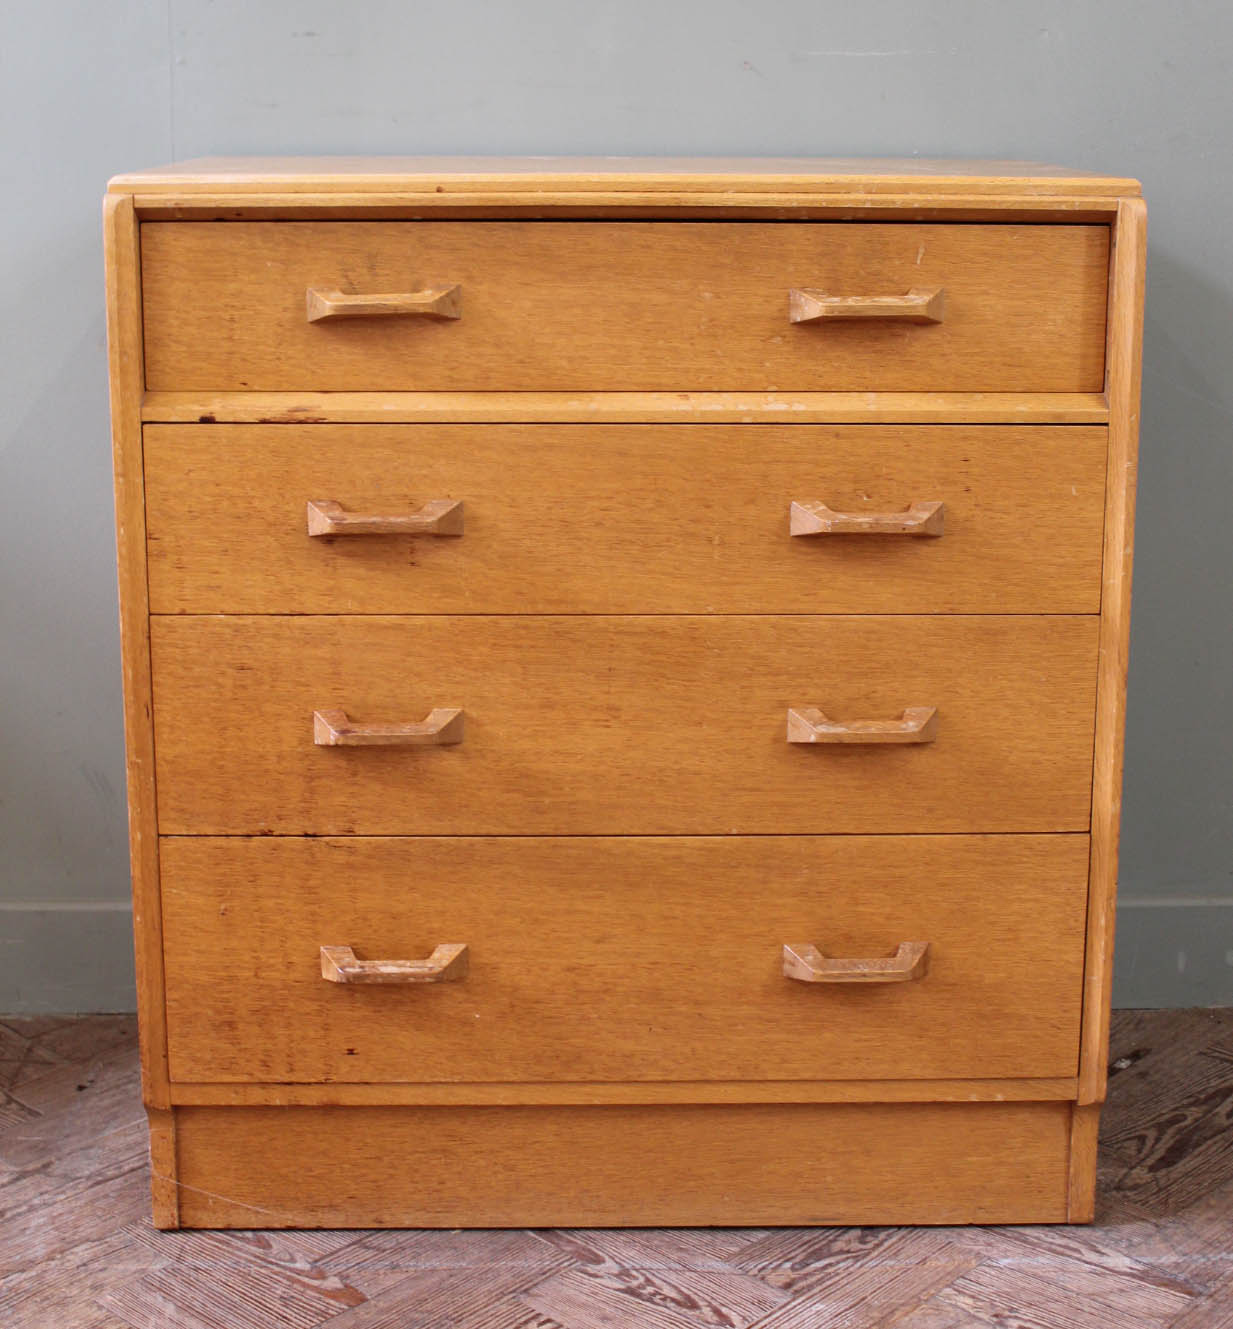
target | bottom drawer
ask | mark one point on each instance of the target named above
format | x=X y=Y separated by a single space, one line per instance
x=623 y=958
x=627 y=1166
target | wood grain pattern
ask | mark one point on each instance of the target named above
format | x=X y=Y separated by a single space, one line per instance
x=434 y=302
x=164 y=1168
x=804 y=962
x=1125 y=374
x=920 y=518
x=698 y=306
x=665 y=957
x=627 y=623
x=1166 y=1143
x=856 y=205
x=439 y=516
x=621 y=519
x=426 y=174
x=74 y=1169
x=1081 y=1193
x=623 y=725
x=809 y=305
x=917 y=724
x=442 y=727
x=560 y=1093
x=78 y=1249
x=673 y=188
x=448 y=962
x=125 y=368
x=644 y=1166
x=1060 y=408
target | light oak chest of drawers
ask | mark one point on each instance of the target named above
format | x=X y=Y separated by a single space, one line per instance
x=624 y=681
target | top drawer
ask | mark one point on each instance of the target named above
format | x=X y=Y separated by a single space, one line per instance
x=626 y=306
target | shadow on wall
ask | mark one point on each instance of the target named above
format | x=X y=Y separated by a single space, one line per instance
x=1175 y=931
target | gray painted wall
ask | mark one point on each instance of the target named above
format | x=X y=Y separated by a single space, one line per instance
x=87 y=90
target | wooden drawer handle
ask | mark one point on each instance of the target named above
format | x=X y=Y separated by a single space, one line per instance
x=919 y=724
x=435 y=302
x=332 y=729
x=447 y=963
x=807 y=964
x=808 y=305
x=818 y=519
x=440 y=516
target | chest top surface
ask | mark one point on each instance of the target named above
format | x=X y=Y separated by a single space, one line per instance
x=812 y=175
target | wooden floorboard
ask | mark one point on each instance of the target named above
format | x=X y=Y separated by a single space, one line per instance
x=77 y=1250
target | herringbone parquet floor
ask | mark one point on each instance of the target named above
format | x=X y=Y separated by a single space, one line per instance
x=77 y=1250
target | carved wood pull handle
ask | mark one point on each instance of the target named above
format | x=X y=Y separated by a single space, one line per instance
x=807 y=964
x=919 y=724
x=332 y=729
x=434 y=302
x=818 y=519
x=808 y=305
x=448 y=962
x=440 y=516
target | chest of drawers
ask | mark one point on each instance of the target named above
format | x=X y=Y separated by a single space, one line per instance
x=624 y=679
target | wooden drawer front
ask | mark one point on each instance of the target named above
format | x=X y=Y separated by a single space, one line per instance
x=623 y=959
x=624 y=519
x=622 y=725
x=672 y=1166
x=623 y=306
